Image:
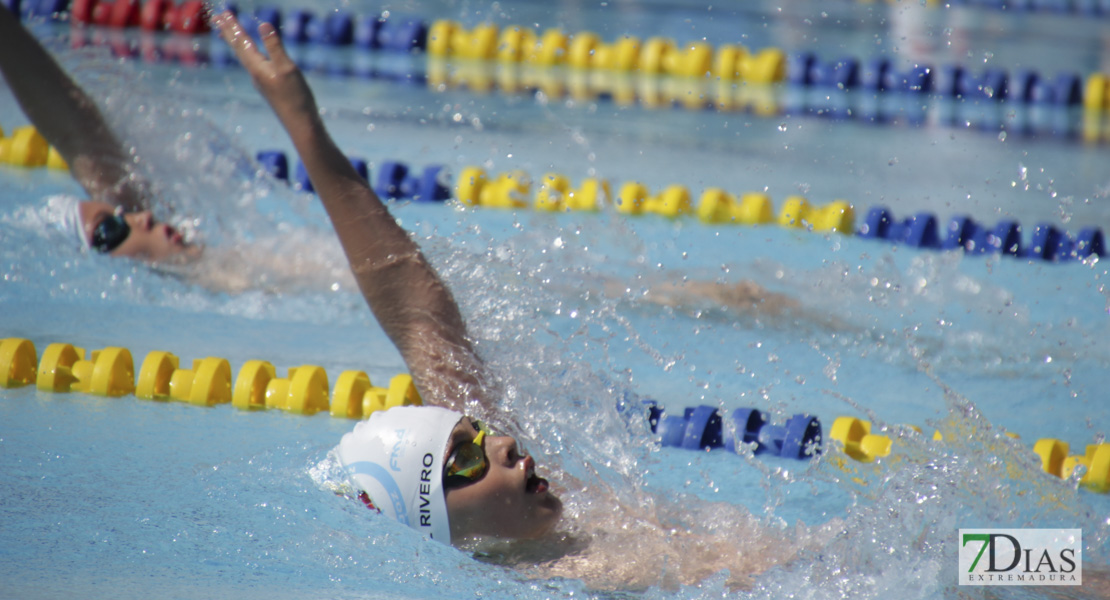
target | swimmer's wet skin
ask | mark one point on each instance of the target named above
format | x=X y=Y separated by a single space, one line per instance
x=398 y=457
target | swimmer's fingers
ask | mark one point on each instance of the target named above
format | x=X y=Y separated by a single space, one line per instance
x=276 y=77
x=233 y=33
x=236 y=37
x=274 y=47
x=273 y=75
x=248 y=52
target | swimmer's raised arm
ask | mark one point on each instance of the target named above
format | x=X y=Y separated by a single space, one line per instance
x=65 y=115
x=409 y=300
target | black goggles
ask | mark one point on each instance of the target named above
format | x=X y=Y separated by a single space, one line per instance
x=110 y=233
x=468 y=461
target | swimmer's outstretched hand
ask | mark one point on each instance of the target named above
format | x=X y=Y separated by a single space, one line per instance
x=277 y=77
x=410 y=301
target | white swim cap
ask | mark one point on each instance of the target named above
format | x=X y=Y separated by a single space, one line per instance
x=396 y=456
x=65 y=212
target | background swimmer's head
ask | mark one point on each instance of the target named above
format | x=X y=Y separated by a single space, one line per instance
x=398 y=458
x=144 y=237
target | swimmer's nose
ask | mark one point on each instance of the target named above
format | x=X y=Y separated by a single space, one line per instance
x=144 y=220
x=505 y=450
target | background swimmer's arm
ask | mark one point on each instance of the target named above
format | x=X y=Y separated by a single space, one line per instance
x=408 y=298
x=66 y=117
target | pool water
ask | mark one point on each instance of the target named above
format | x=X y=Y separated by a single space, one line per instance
x=122 y=498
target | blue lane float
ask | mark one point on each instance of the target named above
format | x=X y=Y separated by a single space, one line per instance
x=275 y=163
x=37 y=8
x=706 y=428
x=1072 y=7
x=880 y=75
x=342 y=28
x=1046 y=241
x=806 y=69
x=395 y=179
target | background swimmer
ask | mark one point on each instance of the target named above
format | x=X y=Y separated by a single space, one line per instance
x=614 y=542
x=116 y=219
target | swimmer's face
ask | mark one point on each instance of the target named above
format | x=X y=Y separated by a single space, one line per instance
x=509 y=501
x=148 y=239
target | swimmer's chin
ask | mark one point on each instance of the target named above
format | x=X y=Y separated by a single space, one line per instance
x=549 y=549
x=191 y=252
x=186 y=255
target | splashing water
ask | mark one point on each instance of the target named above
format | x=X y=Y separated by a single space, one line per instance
x=131 y=496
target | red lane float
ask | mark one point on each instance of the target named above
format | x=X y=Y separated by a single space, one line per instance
x=189 y=18
x=101 y=13
x=124 y=13
x=156 y=15
x=81 y=11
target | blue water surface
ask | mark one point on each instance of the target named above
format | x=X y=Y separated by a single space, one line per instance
x=124 y=498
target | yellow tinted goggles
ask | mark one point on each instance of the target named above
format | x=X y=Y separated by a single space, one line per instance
x=467 y=463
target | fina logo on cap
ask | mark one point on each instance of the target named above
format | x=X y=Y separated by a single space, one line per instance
x=386 y=480
x=398 y=451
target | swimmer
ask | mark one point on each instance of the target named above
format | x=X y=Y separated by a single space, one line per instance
x=441 y=472
x=479 y=481
x=115 y=220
